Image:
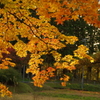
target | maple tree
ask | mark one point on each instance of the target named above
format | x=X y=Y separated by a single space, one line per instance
x=43 y=38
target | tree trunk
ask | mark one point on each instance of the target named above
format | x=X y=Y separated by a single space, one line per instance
x=88 y=77
x=97 y=76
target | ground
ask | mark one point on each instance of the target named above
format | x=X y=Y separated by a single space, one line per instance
x=56 y=94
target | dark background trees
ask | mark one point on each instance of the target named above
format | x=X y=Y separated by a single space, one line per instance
x=89 y=36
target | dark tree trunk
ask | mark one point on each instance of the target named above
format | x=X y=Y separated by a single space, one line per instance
x=88 y=77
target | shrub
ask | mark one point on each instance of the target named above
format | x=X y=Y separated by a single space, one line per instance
x=9 y=76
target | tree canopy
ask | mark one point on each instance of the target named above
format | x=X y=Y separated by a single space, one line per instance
x=17 y=22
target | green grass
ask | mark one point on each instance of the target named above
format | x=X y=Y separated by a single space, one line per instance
x=86 y=87
x=29 y=87
x=75 y=86
x=92 y=87
x=54 y=90
x=67 y=96
x=55 y=85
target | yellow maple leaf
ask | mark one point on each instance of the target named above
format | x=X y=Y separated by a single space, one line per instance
x=75 y=17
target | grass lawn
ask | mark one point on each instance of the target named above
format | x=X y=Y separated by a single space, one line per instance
x=55 y=95
x=71 y=94
x=27 y=96
x=53 y=91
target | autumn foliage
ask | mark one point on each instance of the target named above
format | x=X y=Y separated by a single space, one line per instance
x=4 y=91
x=43 y=38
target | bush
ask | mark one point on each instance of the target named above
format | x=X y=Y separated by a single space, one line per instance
x=21 y=88
x=9 y=76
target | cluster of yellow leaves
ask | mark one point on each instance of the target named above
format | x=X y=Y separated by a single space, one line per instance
x=41 y=77
x=81 y=53
x=34 y=62
x=3 y=47
x=5 y=63
x=4 y=91
x=68 y=39
x=20 y=47
x=66 y=62
x=65 y=79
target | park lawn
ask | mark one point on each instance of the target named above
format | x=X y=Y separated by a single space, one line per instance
x=56 y=94
x=27 y=96
x=52 y=91
x=72 y=94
